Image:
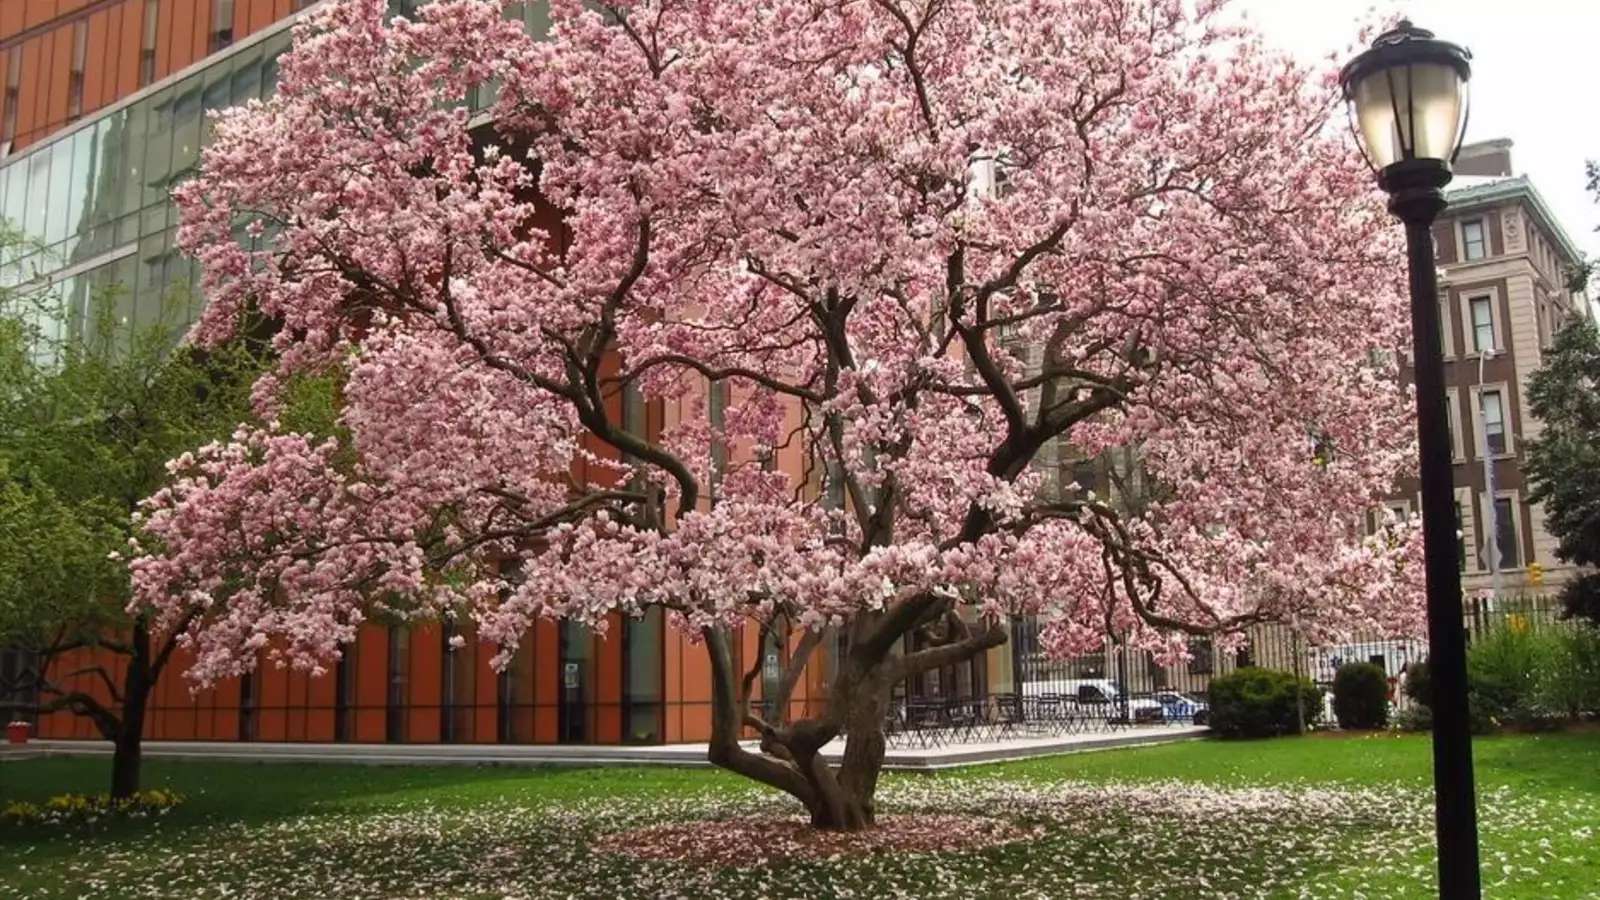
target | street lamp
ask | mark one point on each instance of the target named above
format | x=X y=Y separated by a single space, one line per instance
x=1408 y=102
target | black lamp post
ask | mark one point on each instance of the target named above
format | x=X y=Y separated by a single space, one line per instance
x=1408 y=98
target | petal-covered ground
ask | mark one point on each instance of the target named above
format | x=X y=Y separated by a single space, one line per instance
x=1045 y=837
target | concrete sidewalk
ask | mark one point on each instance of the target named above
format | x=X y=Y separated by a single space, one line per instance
x=898 y=758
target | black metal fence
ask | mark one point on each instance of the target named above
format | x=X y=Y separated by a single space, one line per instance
x=1135 y=674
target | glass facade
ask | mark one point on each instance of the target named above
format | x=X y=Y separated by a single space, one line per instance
x=92 y=203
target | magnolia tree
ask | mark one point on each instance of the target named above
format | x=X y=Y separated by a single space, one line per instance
x=913 y=245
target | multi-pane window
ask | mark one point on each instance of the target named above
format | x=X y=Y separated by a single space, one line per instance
x=80 y=53
x=1450 y=422
x=1482 y=309
x=221 y=24
x=1461 y=540
x=147 y=44
x=399 y=676
x=1473 y=244
x=1494 y=421
x=1505 y=534
x=8 y=127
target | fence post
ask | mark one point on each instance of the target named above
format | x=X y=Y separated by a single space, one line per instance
x=1299 y=695
x=1122 y=677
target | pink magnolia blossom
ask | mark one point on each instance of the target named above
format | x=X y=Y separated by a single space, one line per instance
x=917 y=249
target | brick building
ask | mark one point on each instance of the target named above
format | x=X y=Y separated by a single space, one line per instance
x=1506 y=263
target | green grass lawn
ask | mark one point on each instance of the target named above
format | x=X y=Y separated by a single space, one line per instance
x=1317 y=816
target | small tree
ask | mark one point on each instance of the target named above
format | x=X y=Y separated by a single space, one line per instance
x=874 y=264
x=1564 y=461
x=90 y=411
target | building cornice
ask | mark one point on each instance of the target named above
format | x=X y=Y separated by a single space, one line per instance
x=1508 y=190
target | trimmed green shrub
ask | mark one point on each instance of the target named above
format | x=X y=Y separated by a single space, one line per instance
x=1252 y=702
x=1418 y=684
x=1568 y=680
x=1361 y=696
x=1503 y=669
x=1415 y=717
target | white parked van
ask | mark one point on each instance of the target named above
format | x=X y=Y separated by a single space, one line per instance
x=1095 y=696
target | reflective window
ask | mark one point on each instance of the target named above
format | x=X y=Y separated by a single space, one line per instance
x=104 y=187
x=271 y=49
x=1472 y=238
x=60 y=153
x=1494 y=422
x=643 y=698
x=534 y=15
x=158 y=149
x=79 y=191
x=131 y=139
x=218 y=96
x=1505 y=536
x=16 y=178
x=188 y=114
x=152 y=280
x=246 y=77
x=80 y=51
x=221 y=24
x=111 y=301
x=8 y=125
x=1482 y=324
x=147 y=44
x=66 y=291
x=38 y=196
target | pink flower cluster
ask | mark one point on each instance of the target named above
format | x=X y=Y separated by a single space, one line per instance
x=872 y=268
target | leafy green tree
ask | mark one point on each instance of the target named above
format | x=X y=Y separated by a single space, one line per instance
x=1564 y=462
x=92 y=405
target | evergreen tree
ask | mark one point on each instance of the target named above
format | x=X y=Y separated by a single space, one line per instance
x=1564 y=462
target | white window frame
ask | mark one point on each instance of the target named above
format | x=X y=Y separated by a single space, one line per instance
x=1461 y=237
x=1469 y=530
x=1452 y=399
x=1375 y=517
x=1516 y=524
x=1447 y=331
x=1400 y=508
x=1505 y=415
x=1469 y=334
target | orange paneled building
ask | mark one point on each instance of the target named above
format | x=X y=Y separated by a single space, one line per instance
x=103 y=112
x=67 y=59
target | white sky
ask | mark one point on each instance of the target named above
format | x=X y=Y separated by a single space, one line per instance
x=1533 y=78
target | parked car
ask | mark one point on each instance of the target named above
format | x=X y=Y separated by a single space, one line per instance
x=1182 y=707
x=1098 y=696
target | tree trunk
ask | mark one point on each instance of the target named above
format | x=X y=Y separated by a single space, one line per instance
x=864 y=712
x=841 y=798
x=128 y=752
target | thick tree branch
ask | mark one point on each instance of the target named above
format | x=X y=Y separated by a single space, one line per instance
x=993 y=635
x=727 y=720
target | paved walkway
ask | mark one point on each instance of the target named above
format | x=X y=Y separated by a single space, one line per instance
x=899 y=758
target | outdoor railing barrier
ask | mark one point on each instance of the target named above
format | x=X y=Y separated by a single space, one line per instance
x=930 y=723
